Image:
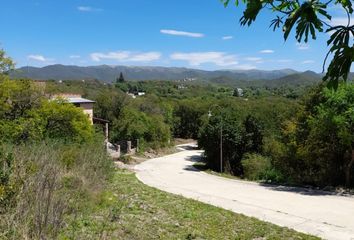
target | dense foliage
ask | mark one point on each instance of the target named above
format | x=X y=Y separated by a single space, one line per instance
x=238 y=137
x=25 y=115
x=314 y=145
x=318 y=143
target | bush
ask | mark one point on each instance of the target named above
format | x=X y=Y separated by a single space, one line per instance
x=134 y=124
x=62 y=120
x=259 y=167
x=255 y=166
x=49 y=181
x=26 y=116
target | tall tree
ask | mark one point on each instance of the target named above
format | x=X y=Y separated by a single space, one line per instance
x=335 y=117
x=308 y=18
x=121 y=78
x=320 y=140
x=253 y=136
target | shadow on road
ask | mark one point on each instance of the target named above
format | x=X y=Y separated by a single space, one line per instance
x=308 y=191
x=191 y=168
x=194 y=158
x=188 y=147
x=302 y=190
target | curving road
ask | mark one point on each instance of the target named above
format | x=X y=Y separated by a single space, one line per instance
x=314 y=212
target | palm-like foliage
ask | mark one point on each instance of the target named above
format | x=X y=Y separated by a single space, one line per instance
x=309 y=18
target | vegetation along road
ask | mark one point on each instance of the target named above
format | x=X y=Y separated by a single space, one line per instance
x=319 y=213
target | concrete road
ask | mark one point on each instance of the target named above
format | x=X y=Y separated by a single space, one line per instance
x=317 y=213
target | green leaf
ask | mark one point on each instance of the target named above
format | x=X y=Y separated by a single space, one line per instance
x=250 y=14
x=276 y=23
x=347 y=4
x=290 y=21
x=340 y=64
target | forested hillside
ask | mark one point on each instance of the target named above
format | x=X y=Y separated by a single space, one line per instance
x=108 y=73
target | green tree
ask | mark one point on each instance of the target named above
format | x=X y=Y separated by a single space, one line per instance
x=319 y=142
x=121 y=78
x=335 y=117
x=109 y=104
x=253 y=137
x=25 y=115
x=62 y=120
x=187 y=118
x=134 y=124
x=308 y=18
x=6 y=63
x=232 y=143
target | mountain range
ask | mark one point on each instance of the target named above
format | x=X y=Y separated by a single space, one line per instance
x=108 y=73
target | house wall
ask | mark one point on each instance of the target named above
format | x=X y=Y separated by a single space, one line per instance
x=88 y=110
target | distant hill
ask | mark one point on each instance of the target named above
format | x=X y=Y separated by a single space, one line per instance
x=110 y=73
x=304 y=79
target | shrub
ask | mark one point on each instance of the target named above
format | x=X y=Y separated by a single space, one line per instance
x=134 y=124
x=238 y=138
x=62 y=120
x=50 y=181
x=26 y=116
x=255 y=166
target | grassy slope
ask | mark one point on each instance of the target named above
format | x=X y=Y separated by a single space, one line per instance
x=131 y=210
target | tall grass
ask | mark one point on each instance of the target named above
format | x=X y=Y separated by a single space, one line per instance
x=46 y=182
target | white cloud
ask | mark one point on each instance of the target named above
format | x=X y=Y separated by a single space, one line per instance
x=181 y=33
x=254 y=59
x=308 y=62
x=39 y=58
x=74 y=56
x=267 y=51
x=302 y=46
x=227 y=37
x=198 y=58
x=126 y=56
x=284 y=60
x=245 y=67
x=88 y=9
x=145 y=57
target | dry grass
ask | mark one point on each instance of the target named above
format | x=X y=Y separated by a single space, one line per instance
x=51 y=181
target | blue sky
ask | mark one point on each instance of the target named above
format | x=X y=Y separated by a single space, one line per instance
x=198 y=34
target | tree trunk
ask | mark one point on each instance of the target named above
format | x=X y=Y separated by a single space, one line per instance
x=348 y=171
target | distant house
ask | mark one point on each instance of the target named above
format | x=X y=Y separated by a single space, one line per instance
x=87 y=106
x=181 y=86
x=135 y=94
x=238 y=92
x=79 y=101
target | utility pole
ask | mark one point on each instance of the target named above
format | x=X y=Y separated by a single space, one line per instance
x=221 y=147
